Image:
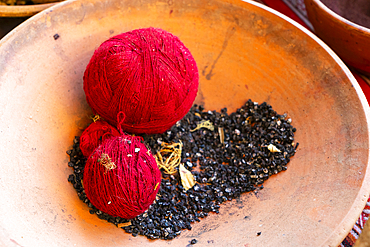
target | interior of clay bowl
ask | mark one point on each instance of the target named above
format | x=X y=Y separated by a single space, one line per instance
x=355 y=11
x=243 y=51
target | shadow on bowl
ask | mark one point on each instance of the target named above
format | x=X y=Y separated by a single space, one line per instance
x=9 y=23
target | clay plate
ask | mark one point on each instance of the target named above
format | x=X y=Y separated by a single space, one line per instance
x=243 y=50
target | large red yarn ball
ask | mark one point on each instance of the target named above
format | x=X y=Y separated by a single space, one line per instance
x=148 y=74
x=121 y=177
x=94 y=135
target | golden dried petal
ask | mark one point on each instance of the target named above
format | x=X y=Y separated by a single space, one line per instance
x=171 y=162
x=204 y=124
x=187 y=178
x=273 y=149
x=221 y=134
x=124 y=224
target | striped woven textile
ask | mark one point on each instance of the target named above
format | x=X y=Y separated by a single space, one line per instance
x=296 y=10
x=357 y=228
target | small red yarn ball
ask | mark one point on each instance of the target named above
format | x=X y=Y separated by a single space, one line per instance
x=148 y=74
x=94 y=135
x=121 y=177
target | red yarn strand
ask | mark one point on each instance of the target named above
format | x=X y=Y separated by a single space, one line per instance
x=94 y=135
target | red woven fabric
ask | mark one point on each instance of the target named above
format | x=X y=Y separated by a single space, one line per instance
x=121 y=177
x=364 y=86
x=94 y=135
x=148 y=74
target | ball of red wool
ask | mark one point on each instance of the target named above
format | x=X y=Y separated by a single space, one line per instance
x=148 y=74
x=121 y=177
x=94 y=135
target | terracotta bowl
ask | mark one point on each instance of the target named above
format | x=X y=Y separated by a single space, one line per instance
x=25 y=10
x=243 y=50
x=345 y=27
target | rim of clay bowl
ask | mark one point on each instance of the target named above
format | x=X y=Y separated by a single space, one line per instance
x=345 y=226
x=342 y=230
x=23 y=10
x=342 y=19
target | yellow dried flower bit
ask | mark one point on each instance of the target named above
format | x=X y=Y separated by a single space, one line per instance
x=204 y=124
x=124 y=224
x=106 y=161
x=156 y=186
x=221 y=134
x=273 y=149
x=173 y=160
x=187 y=178
x=95 y=118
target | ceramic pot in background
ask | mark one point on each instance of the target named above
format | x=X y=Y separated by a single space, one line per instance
x=349 y=40
x=26 y=10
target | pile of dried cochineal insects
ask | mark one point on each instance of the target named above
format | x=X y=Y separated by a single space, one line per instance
x=227 y=154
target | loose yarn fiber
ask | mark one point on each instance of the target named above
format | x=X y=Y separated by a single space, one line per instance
x=121 y=177
x=94 y=135
x=148 y=74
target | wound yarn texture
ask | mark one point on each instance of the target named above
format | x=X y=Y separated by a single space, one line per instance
x=147 y=74
x=94 y=135
x=121 y=177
